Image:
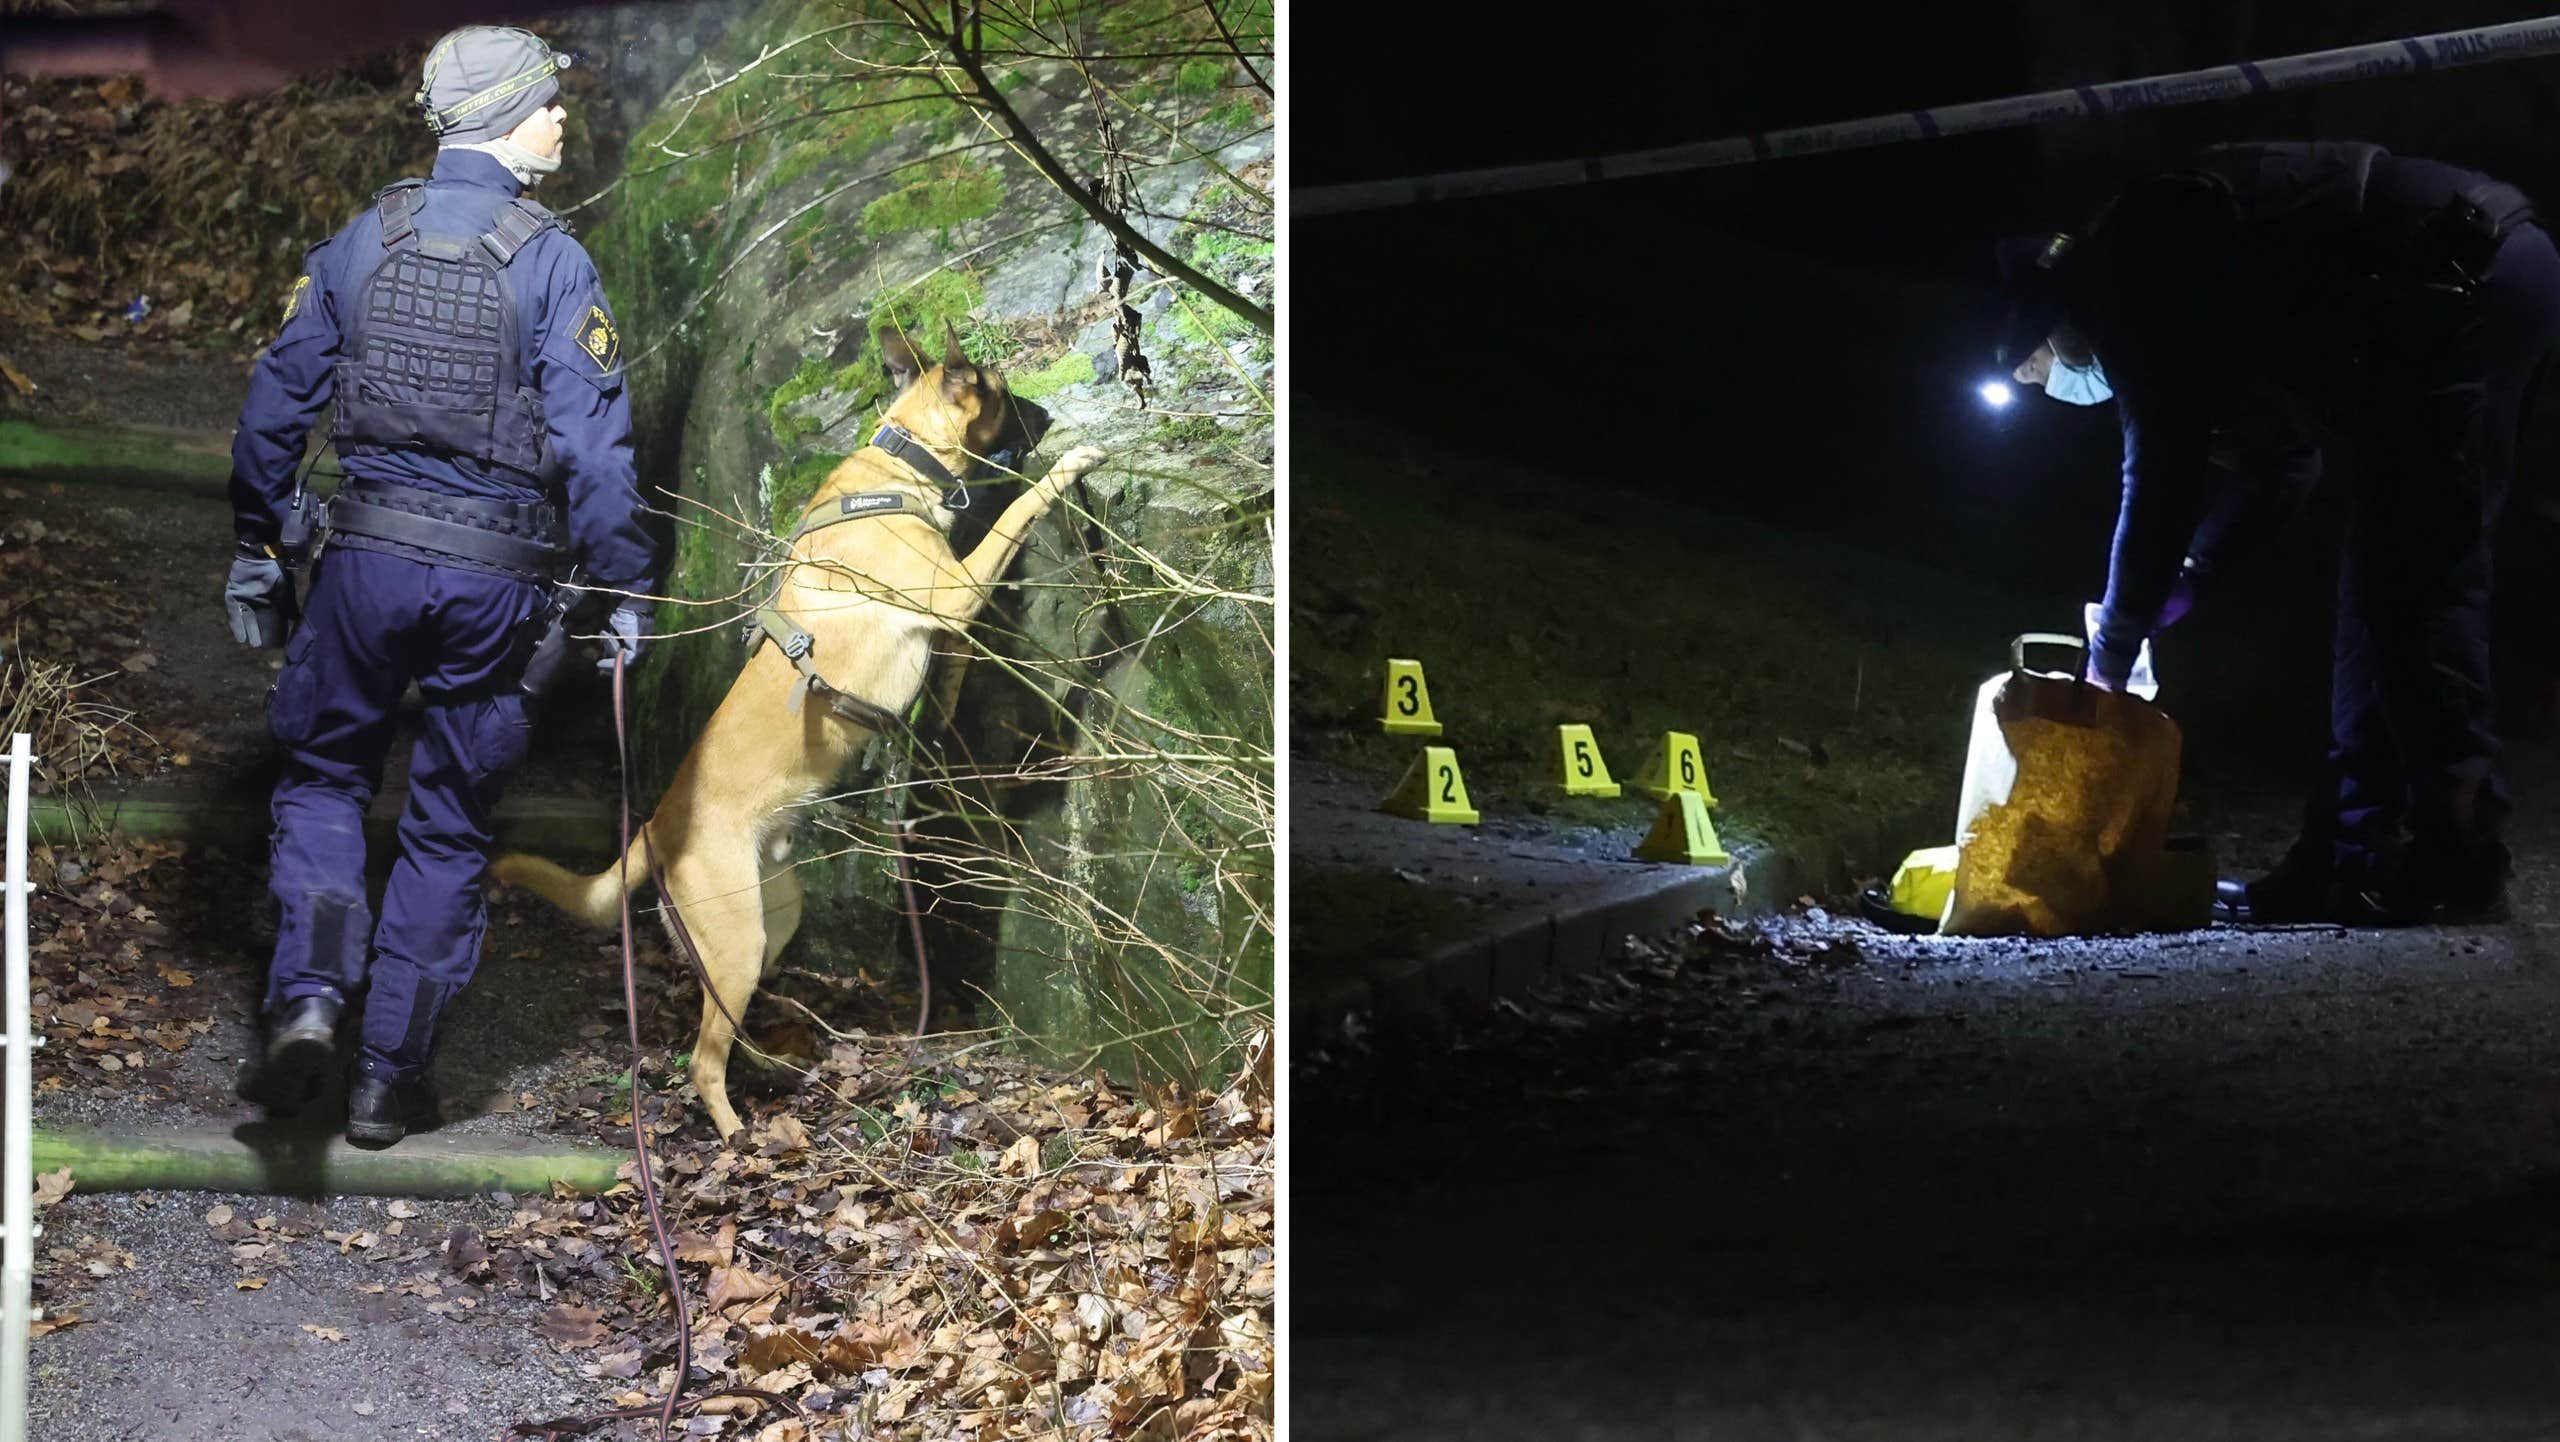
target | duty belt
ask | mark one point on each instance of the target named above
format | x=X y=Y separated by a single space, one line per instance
x=515 y=538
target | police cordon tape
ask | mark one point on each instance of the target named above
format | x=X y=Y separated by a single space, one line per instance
x=2515 y=40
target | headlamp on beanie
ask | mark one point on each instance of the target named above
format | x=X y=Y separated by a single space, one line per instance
x=481 y=81
x=2027 y=273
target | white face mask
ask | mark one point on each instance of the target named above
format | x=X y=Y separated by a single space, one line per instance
x=2077 y=385
x=527 y=167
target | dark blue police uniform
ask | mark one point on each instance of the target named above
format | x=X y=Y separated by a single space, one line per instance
x=2333 y=280
x=416 y=358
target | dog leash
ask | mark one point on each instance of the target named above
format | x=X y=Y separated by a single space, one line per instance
x=666 y=1410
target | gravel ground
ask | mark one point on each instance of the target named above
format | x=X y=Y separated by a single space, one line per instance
x=2269 y=1185
x=172 y=1348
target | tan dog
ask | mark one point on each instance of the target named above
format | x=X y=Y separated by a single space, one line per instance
x=872 y=593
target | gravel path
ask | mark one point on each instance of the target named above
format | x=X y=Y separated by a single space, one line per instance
x=2279 y=1185
x=173 y=1348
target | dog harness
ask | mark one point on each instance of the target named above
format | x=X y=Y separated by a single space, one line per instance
x=794 y=639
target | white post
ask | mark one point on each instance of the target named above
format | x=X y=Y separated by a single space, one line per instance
x=17 y=1128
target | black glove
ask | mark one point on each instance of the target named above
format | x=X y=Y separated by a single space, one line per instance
x=257 y=597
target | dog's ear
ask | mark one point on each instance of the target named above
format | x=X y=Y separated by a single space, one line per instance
x=900 y=357
x=959 y=379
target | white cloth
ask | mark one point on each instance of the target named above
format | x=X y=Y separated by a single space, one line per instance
x=527 y=167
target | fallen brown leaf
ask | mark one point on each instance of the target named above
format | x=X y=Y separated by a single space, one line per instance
x=775 y=1350
x=572 y=1326
x=732 y=1285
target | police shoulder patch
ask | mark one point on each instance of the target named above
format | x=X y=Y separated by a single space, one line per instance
x=293 y=302
x=597 y=337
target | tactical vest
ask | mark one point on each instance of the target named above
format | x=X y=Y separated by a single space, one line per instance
x=431 y=356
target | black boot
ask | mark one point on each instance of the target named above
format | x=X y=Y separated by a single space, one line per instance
x=2376 y=893
x=302 y=1051
x=380 y=1113
x=2458 y=884
x=2299 y=889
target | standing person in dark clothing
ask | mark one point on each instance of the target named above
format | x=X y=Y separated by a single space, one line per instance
x=477 y=373
x=2410 y=304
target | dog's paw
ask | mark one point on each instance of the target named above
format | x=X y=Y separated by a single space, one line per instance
x=1078 y=461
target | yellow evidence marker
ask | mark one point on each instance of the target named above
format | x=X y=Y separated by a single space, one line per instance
x=1580 y=768
x=1432 y=790
x=1675 y=766
x=1681 y=832
x=1408 y=704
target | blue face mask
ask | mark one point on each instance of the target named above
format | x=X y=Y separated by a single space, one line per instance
x=2079 y=386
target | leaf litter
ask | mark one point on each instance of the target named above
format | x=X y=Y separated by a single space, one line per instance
x=968 y=1247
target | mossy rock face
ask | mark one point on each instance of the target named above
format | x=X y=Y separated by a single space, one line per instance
x=1108 y=898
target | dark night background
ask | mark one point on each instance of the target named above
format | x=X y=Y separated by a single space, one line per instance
x=2196 y=1193
x=1816 y=319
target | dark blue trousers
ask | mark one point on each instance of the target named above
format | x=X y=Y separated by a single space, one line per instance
x=2414 y=748
x=374 y=623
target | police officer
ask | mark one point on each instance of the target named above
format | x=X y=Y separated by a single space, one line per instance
x=2241 y=310
x=477 y=375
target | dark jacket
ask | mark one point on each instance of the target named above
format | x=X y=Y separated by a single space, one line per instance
x=587 y=411
x=2222 y=301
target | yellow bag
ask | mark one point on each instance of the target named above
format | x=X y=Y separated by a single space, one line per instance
x=2067 y=797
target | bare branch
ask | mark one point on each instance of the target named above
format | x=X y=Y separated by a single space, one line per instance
x=983 y=96
x=1230 y=37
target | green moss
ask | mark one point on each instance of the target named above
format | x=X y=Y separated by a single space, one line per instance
x=697 y=562
x=1230 y=257
x=793 y=488
x=1204 y=322
x=1234 y=115
x=1003 y=32
x=860 y=378
x=687 y=674
x=799 y=161
x=800 y=241
x=922 y=308
x=1185 y=433
x=954 y=193
x=1139 y=19
x=804 y=382
x=1072 y=369
x=1200 y=77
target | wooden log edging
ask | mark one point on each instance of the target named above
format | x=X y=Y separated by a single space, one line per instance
x=267 y=1158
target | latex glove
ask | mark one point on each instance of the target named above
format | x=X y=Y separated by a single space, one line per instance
x=627 y=630
x=2182 y=599
x=2139 y=679
x=256 y=597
